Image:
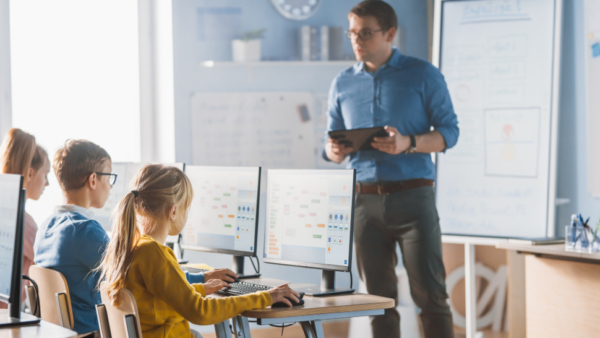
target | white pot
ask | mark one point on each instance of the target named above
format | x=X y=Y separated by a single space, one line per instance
x=245 y=51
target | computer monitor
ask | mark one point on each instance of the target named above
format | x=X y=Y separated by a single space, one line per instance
x=310 y=222
x=12 y=215
x=223 y=217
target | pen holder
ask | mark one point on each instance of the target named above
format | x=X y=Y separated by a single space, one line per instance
x=571 y=237
x=585 y=241
x=577 y=239
x=596 y=244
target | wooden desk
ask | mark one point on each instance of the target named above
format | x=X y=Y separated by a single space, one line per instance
x=562 y=291
x=310 y=315
x=324 y=305
x=42 y=330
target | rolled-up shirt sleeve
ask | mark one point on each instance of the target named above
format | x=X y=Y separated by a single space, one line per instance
x=335 y=120
x=194 y=278
x=438 y=107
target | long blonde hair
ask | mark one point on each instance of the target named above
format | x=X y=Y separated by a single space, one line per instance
x=16 y=153
x=158 y=188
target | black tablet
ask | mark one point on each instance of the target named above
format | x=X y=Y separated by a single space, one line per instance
x=359 y=139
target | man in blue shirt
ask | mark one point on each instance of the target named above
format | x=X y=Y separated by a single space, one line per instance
x=395 y=201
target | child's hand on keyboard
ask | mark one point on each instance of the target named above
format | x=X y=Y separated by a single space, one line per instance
x=214 y=285
x=282 y=292
x=222 y=274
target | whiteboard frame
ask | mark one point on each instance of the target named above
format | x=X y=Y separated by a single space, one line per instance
x=554 y=106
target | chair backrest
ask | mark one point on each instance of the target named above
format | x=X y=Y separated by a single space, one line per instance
x=103 y=321
x=125 y=319
x=55 y=299
x=32 y=298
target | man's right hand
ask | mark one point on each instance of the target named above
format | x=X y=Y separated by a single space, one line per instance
x=336 y=151
x=282 y=293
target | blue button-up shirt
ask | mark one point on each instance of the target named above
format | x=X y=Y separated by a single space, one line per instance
x=407 y=93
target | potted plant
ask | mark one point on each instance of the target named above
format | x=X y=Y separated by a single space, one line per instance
x=247 y=47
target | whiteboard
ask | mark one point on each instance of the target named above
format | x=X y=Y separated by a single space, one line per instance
x=592 y=73
x=500 y=60
x=265 y=129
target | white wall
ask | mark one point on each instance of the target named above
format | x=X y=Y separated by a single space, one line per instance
x=190 y=78
x=572 y=152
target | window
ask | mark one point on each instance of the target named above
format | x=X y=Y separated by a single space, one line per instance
x=75 y=75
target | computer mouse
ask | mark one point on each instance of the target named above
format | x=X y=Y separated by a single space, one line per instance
x=282 y=304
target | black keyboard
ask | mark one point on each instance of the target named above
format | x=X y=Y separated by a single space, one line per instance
x=193 y=270
x=243 y=288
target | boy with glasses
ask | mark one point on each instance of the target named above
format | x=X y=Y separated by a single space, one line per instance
x=70 y=241
x=395 y=201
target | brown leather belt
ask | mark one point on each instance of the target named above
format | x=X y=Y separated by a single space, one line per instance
x=392 y=187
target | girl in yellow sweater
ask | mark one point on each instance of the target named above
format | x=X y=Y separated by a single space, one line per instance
x=136 y=259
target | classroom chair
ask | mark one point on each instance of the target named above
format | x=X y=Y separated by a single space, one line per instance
x=103 y=321
x=32 y=298
x=54 y=298
x=124 y=320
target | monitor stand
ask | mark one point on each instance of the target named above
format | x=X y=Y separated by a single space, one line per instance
x=327 y=287
x=238 y=268
x=23 y=319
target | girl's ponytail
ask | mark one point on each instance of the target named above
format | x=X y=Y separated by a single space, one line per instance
x=119 y=253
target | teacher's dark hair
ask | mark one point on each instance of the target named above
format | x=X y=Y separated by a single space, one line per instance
x=381 y=10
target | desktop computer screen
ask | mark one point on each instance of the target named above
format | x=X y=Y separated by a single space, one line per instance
x=12 y=215
x=10 y=186
x=223 y=216
x=309 y=219
x=126 y=172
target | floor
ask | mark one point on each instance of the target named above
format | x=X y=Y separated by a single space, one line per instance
x=337 y=329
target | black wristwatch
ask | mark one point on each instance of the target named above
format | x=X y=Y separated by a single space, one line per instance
x=413 y=145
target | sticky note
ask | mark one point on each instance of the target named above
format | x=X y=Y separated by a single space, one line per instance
x=596 y=50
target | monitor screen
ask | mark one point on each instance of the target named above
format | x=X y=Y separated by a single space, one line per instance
x=310 y=218
x=10 y=186
x=223 y=216
x=126 y=172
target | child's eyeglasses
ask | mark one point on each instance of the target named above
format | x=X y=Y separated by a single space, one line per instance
x=111 y=180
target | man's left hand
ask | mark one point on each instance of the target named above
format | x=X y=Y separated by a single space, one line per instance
x=394 y=144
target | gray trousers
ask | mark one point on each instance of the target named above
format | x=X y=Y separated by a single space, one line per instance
x=410 y=219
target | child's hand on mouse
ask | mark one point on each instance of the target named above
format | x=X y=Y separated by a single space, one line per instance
x=214 y=285
x=281 y=294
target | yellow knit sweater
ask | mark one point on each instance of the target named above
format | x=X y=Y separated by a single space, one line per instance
x=166 y=301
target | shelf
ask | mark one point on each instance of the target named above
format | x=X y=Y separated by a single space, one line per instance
x=211 y=64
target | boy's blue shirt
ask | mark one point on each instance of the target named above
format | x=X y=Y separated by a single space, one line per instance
x=72 y=243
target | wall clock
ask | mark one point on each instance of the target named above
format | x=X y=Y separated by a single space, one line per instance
x=296 y=9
